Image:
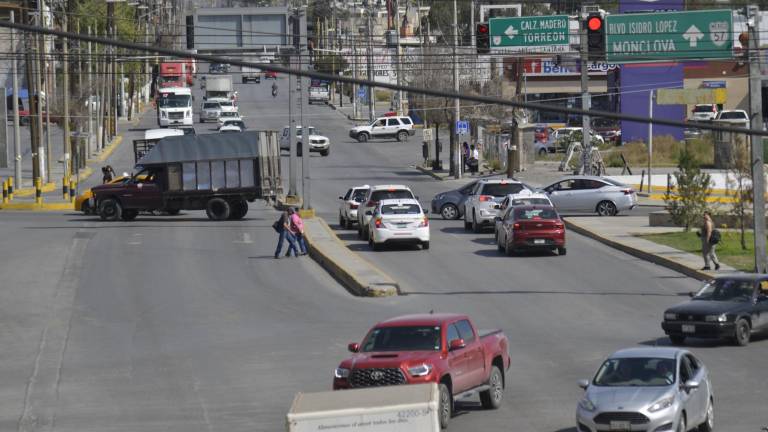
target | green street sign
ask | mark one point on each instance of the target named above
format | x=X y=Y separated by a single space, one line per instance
x=532 y=34
x=706 y=34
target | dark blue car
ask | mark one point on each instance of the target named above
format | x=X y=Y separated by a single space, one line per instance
x=450 y=204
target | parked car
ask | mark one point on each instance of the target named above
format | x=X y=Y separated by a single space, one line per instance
x=524 y=197
x=349 y=205
x=450 y=204
x=740 y=117
x=210 y=111
x=480 y=206
x=530 y=227
x=704 y=112
x=398 y=221
x=445 y=349
x=398 y=127
x=371 y=200
x=591 y=194
x=649 y=389
x=608 y=129
x=730 y=306
x=317 y=143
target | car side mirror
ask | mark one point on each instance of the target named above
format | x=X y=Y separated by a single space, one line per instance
x=582 y=383
x=456 y=344
x=369 y=213
x=353 y=347
x=691 y=385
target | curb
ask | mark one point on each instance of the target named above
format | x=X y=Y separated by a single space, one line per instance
x=429 y=173
x=346 y=276
x=646 y=256
x=30 y=206
x=24 y=192
x=111 y=147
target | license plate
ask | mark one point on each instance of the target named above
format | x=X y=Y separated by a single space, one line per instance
x=689 y=328
x=539 y=241
x=620 y=426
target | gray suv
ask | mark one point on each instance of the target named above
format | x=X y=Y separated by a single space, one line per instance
x=480 y=207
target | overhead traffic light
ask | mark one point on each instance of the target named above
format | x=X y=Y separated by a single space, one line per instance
x=483 y=38
x=595 y=27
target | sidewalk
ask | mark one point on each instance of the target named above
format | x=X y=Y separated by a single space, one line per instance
x=621 y=233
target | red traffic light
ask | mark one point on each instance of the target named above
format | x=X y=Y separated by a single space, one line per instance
x=482 y=29
x=595 y=23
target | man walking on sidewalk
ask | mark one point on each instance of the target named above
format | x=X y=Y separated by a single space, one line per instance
x=709 y=240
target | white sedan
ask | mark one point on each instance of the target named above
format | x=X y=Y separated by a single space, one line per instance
x=399 y=221
x=350 y=203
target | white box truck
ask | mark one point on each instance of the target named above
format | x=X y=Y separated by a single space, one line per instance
x=218 y=86
x=402 y=408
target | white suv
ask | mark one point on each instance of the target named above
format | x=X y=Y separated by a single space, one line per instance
x=733 y=116
x=480 y=208
x=400 y=128
x=371 y=200
x=704 y=112
x=317 y=143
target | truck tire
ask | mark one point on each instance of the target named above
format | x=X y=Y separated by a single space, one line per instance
x=239 y=209
x=129 y=215
x=402 y=136
x=110 y=210
x=445 y=406
x=491 y=398
x=217 y=209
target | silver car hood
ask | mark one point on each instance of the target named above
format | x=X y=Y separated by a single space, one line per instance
x=626 y=398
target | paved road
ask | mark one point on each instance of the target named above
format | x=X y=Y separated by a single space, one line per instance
x=180 y=324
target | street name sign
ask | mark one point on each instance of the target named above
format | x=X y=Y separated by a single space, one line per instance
x=531 y=34
x=643 y=37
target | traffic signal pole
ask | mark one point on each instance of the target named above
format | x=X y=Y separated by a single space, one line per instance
x=758 y=174
x=586 y=102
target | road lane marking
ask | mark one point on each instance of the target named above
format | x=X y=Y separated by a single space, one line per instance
x=246 y=239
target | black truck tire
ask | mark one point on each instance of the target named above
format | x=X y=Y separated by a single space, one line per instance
x=129 y=215
x=110 y=210
x=218 y=209
x=239 y=209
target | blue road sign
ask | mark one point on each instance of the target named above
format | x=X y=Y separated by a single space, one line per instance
x=462 y=127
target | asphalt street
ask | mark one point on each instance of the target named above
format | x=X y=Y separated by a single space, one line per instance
x=182 y=324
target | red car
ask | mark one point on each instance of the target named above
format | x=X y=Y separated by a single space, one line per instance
x=445 y=349
x=530 y=227
x=270 y=74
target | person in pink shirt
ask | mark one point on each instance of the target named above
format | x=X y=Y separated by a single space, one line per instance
x=297 y=229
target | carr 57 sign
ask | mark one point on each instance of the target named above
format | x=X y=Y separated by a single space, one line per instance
x=706 y=34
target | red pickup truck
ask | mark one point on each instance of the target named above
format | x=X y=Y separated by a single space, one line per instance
x=441 y=348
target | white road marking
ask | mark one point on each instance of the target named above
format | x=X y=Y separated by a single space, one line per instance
x=246 y=239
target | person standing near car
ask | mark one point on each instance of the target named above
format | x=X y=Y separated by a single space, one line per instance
x=283 y=228
x=709 y=240
x=297 y=229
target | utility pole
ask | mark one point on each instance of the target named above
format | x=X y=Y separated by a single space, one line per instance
x=48 y=98
x=29 y=69
x=758 y=174
x=304 y=86
x=398 y=71
x=91 y=100
x=455 y=154
x=68 y=168
x=354 y=75
x=650 y=137
x=40 y=66
x=16 y=129
x=586 y=103
x=292 y=162
x=371 y=92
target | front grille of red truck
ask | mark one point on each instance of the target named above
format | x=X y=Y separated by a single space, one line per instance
x=376 y=377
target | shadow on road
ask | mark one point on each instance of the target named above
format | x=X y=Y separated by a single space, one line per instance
x=589 y=293
x=702 y=343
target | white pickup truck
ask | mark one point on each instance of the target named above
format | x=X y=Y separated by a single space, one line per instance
x=319 y=94
x=401 y=408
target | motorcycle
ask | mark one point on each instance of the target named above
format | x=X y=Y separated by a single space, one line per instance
x=274 y=92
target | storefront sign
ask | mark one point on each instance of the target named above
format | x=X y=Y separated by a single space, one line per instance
x=542 y=67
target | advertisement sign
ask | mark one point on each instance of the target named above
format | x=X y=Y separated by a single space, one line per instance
x=548 y=67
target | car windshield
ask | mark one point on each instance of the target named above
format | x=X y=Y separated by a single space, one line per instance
x=312 y=131
x=176 y=101
x=501 y=189
x=237 y=123
x=636 y=372
x=359 y=195
x=726 y=290
x=395 y=209
x=535 y=213
x=732 y=115
x=703 y=109
x=530 y=201
x=391 y=194
x=211 y=105
x=412 y=338
x=229 y=114
x=225 y=103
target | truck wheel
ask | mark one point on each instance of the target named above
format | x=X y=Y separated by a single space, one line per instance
x=110 y=210
x=129 y=215
x=491 y=398
x=446 y=406
x=362 y=137
x=402 y=136
x=217 y=209
x=239 y=209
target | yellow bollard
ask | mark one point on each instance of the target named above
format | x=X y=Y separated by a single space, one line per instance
x=72 y=189
x=64 y=188
x=38 y=191
x=10 y=188
x=5 y=192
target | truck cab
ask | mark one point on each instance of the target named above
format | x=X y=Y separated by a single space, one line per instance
x=174 y=107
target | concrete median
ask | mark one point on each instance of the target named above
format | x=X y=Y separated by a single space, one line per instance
x=359 y=276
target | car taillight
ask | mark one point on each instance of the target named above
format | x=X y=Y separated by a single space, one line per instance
x=377 y=223
x=516 y=226
x=353 y=206
x=424 y=222
x=484 y=198
x=558 y=225
x=628 y=191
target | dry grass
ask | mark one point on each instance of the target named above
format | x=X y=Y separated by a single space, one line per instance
x=665 y=151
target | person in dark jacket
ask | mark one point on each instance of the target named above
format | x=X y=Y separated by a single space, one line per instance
x=284 y=230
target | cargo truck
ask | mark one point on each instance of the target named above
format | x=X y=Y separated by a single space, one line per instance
x=218 y=173
x=218 y=87
x=397 y=408
x=250 y=74
x=174 y=107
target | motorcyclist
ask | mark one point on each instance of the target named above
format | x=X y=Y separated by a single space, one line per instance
x=274 y=89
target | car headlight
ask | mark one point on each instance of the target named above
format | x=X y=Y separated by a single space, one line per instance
x=670 y=316
x=716 y=318
x=420 y=370
x=662 y=404
x=341 y=373
x=587 y=404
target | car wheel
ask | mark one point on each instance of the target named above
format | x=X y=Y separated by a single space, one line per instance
x=606 y=208
x=367 y=234
x=446 y=405
x=476 y=228
x=449 y=212
x=362 y=137
x=681 y=427
x=217 y=209
x=129 y=215
x=342 y=222
x=349 y=224
x=110 y=210
x=85 y=208
x=709 y=422
x=467 y=225
x=677 y=339
x=402 y=136
x=561 y=251
x=508 y=250
x=491 y=398
x=742 y=332
x=375 y=246
x=325 y=153
x=498 y=244
x=425 y=245
x=359 y=230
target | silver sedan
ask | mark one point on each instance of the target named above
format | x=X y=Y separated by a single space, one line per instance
x=591 y=194
x=649 y=389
